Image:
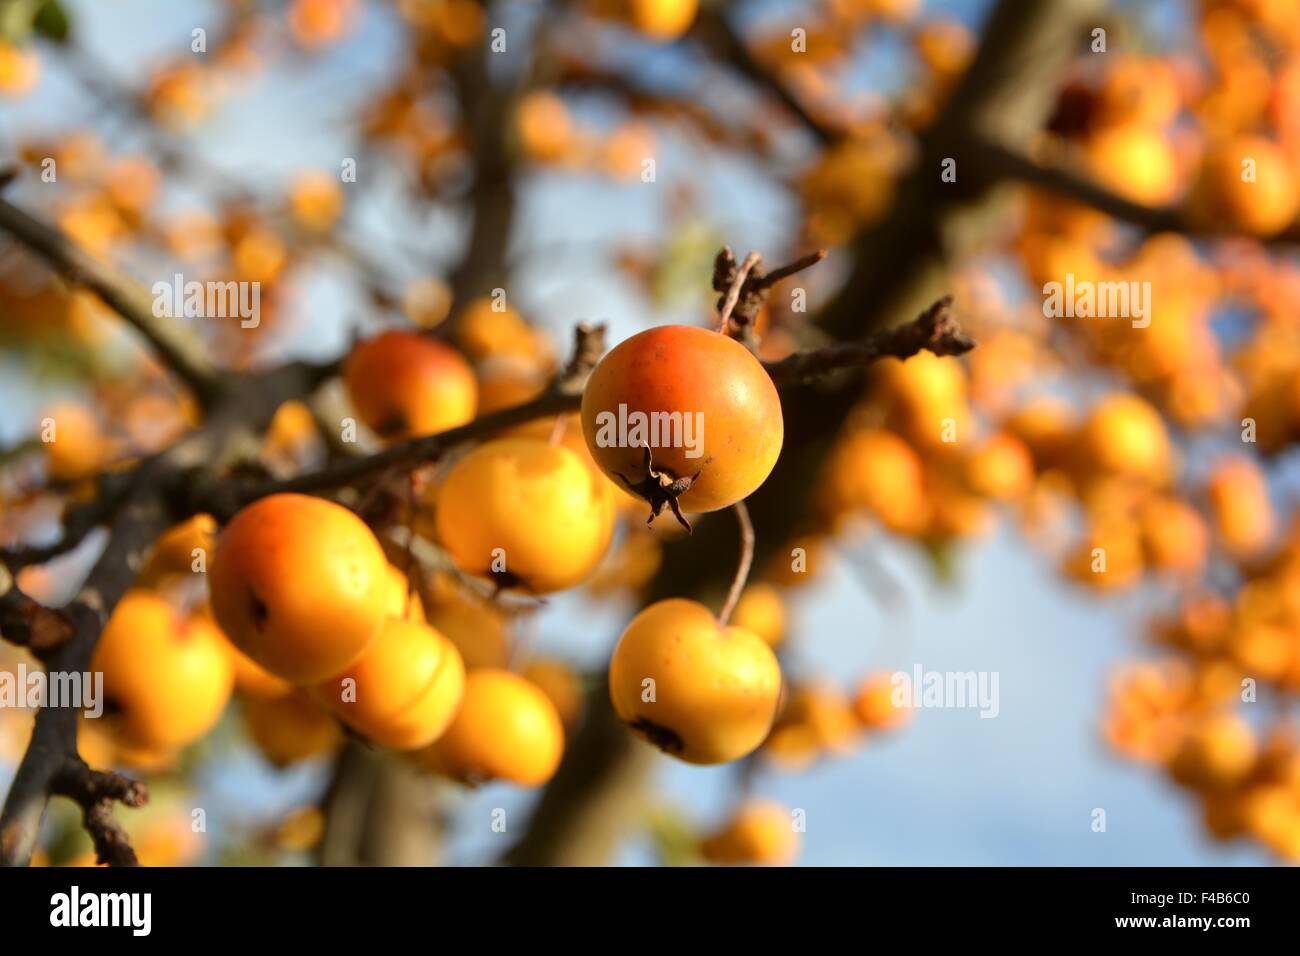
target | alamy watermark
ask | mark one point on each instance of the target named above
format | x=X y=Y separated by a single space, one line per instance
x=35 y=689
x=208 y=300
x=1086 y=299
x=946 y=689
x=654 y=430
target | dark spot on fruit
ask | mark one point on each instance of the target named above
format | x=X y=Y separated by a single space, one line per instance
x=505 y=580
x=663 y=738
x=260 y=611
x=392 y=426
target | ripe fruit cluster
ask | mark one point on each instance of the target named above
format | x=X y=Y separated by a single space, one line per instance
x=347 y=633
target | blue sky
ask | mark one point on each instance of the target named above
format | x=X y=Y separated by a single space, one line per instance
x=950 y=788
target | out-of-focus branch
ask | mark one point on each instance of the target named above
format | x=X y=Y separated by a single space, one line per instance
x=996 y=162
x=713 y=27
x=488 y=106
x=174 y=346
x=897 y=272
x=936 y=330
x=24 y=622
x=51 y=754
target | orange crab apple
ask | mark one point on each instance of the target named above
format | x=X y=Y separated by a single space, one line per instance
x=405 y=384
x=404 y=690
x=761 y=833
x=685 y=415
x=697 y=689
x=300 y=585
x=506 y=729
x=290 y=728
x=526 y=513
x=168 y=678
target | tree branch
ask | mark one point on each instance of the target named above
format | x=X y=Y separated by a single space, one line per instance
x=52 y=751
x=935 y=330
x=96 y=792
x=170 y=340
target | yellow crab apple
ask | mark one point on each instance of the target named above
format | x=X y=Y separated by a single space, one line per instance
x=697 y=689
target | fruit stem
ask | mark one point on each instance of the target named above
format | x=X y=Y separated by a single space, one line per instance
x=746 y=560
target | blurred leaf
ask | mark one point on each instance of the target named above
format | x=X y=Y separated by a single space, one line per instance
x=51 y=21
x=674 y=837
x=685 y=272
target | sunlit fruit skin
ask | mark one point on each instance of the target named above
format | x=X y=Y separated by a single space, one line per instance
x=662 y=20
x=878 y=471
x=300 y=585
x=1265 y=206
x=290 y=728
x=79 y=448
x=506 y=729
x=169 y=678
x=403 y=601
x=1124 y=435
x=403 y=692
x=477 y=627
x=1216 y=755
x=251 y=679
x=1240 y=506
x=405 y=384
x=177 y=548
x=530 y=504
x=716 y=688
x=873 y=704
x=698 y=373
x=760 y=834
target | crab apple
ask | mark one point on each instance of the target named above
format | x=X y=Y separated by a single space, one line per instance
x=251 y=679
x=1247 y=184
x=879 y=472
x=403 y=602
x=1125 y=435
x=710 y=415
x=1240 y=506
x=405 y=384
x=874 y=704
x=525 y=513
x=404 y=690
x=169 y=678
x=77 y=445
x=761 y=833
x=506 y=729
x=300 y=585
x=661 y=20
x=478 y=628
x=177 y=548
x=697 y=689
x=761 y=611
x=1000 y=468
x=290 y=728
x=826 y=711
x=1217 y=754
x=1137 y=162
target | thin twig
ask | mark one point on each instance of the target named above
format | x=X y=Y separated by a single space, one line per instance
x=752 y=261
x=96 y=792
x=746 y=561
